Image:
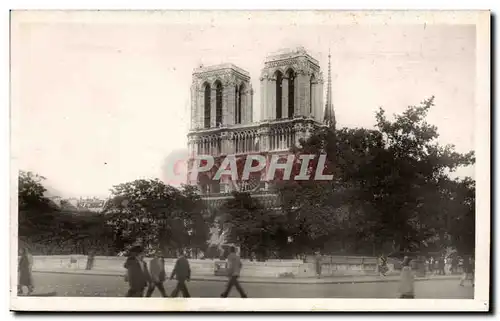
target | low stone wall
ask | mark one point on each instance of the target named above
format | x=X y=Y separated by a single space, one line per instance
x=339 y=266
x=76 y=262
x=347 y=265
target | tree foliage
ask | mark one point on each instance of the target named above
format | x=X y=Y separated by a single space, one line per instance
x=391 y=189
x=156 y=215
x=50 y=229
x=36 y=213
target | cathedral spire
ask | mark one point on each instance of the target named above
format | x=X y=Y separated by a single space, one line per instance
x=329 y=117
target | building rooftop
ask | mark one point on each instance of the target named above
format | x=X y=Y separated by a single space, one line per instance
x=203 y=69
x=288 y=53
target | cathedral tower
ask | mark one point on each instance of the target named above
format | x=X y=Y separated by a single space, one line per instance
x=221 y=95
x=291 y=86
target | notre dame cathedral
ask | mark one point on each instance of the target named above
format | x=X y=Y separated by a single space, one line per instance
x=222 y=107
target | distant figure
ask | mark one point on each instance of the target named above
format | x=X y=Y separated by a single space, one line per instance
x=436 y=265
x=461 y=264
x=454 y=264
x=472 y=269
x=137 y=273
x=158 y=274
x=468 y=272
x=447 y=265
x=317 y=261
x=25 y=272
x=90 y=261
x=442 y=265
x=382 y=265
x=234 y=268
x=182 y=272
x=406 y=283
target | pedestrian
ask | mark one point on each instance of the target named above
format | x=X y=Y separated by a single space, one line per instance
x=467 y=272
x=25 y=270
x=454 y=263
x=137 y=272
x=382 y=266
x=317 y=260
x=447 y=264
x=158 y=274
x=436 y=265
x=472 y=269
x=90 y=260
x=182 y=272
x=407 y=280
x=441 y=266
x=461 y=265
x=233 y=269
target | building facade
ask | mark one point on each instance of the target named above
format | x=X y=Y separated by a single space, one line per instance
x=222 y=124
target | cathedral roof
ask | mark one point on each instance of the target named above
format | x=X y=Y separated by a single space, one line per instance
x=288 y=53
x=205 y=69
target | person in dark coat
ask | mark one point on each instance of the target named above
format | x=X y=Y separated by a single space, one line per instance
x=158 y=274
x=182 y=272
x=137 y=273
x=317 y=262
x=441 y=266
x=25 y=272
x=234 y=269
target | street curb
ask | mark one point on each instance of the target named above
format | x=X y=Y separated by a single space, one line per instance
x=270 y=281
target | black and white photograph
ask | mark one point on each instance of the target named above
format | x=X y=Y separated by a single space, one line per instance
x=199 y=160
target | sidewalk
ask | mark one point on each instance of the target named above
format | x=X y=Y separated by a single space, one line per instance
x=324 y=280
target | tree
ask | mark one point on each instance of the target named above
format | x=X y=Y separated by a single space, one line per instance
x=49 y=229
x=31 y=190
x=463 y=219
x=391 y=187
x=156 y=214
x=412 y=172
x=36 y=213
x=250 y=224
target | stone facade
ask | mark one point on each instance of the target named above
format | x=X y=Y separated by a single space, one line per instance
x=236 y=92
x=291 y=85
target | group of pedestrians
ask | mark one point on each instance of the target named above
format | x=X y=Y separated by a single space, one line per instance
x=142 y=278
x=407 y=277
x=436 y=265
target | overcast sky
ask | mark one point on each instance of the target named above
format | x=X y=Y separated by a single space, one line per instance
x=97 y=104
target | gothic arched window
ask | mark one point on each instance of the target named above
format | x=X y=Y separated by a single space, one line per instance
x=240 y=100
x=311 y=88
x=206 y=106
x=291 y=93
x=236 y=99
x=279 y=91
x=218 y=103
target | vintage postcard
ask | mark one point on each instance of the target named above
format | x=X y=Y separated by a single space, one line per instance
x=250 y=160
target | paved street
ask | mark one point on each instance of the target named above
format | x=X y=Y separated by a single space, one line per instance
x=113 y=286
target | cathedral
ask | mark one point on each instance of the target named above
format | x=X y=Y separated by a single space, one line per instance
x=222 y=123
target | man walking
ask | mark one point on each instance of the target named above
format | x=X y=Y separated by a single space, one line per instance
x=158 y=274
x=234 y=267
x=137 y=273
x=182 y=272
x=407 y=280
